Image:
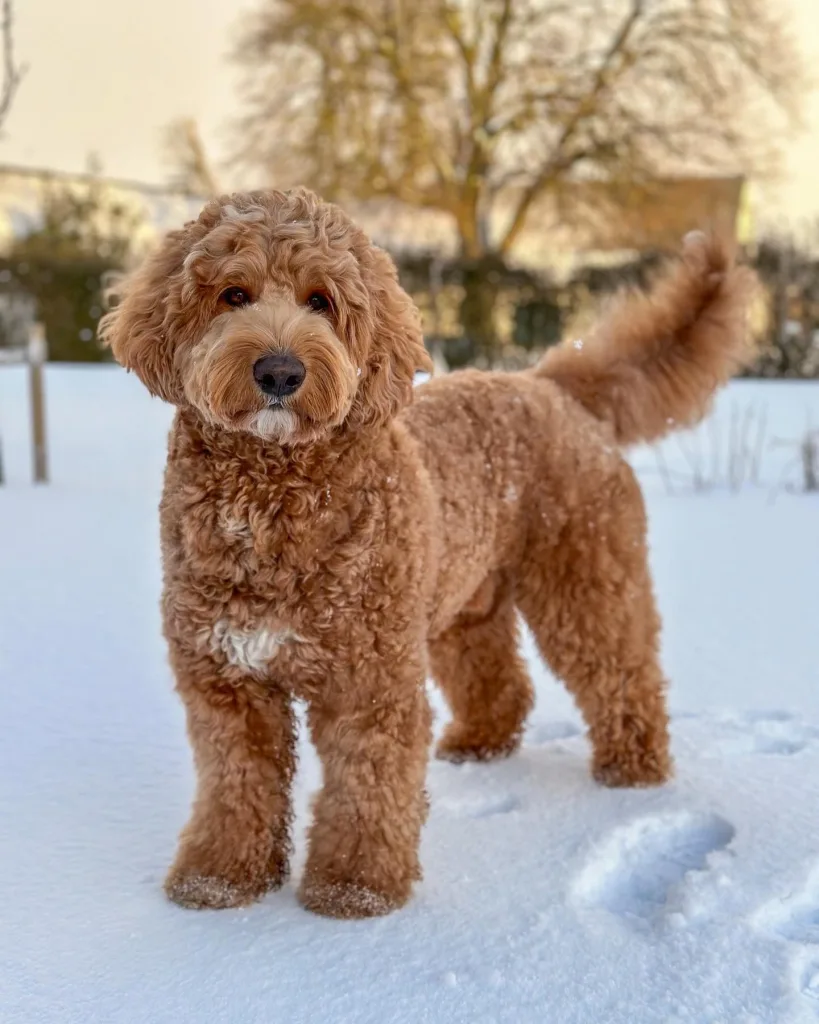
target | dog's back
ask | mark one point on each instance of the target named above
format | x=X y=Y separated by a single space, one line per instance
x=512 y=454
x=509 y=456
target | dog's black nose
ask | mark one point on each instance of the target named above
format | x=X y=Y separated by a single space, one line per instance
x=279 y=375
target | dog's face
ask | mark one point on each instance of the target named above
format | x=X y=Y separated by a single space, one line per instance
x=271 y=314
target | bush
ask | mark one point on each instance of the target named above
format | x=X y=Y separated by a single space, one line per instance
x=483 y=312
x=790 y=341
x=83 y=232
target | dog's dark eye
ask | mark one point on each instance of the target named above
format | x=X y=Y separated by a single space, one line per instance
x=318 y=302
x=235 y=297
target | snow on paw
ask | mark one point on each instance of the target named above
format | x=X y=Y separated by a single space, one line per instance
x=349 y=900
x=209 y=892
x=656 y=868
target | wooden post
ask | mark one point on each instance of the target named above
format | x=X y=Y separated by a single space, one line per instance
x=37 y=355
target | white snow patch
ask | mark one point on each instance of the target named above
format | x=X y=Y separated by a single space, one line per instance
x=545 y=897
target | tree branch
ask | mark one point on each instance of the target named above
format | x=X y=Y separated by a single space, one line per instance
x=12 y=72
x=465 y=105
x=561 y=161
x=495 y=72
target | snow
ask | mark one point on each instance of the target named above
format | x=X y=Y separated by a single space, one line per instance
x=546 y=898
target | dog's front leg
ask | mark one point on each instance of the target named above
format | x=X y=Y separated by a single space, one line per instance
x=236 y=845
x=373 y=738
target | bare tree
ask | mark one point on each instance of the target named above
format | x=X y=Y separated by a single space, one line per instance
x=12 y=71
x=191 y=169
x=480 y=108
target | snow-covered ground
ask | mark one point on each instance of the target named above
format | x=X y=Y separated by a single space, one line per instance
x=546 y=898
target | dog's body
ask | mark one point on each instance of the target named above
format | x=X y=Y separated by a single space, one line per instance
x=336 y=544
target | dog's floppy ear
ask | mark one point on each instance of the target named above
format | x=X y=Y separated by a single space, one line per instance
x=142 y=328
x=397 y=348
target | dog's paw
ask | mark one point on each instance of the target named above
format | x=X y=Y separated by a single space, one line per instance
x=345 y=900
x=201 y=883
x=648 y=771
x=198 y=890
x=212 y=871
x=635 y=755
x=458 y=745
x=203 y=892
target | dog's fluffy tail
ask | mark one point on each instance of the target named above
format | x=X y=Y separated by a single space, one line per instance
x=657 y=358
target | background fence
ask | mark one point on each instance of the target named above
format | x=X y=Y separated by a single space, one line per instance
x=519 y=311
x=34 y=354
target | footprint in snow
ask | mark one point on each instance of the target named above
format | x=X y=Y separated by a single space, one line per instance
x=802 y=926
x=777 y=733
x=482 y=807
x=781 y=745
x=492 y=808
x=794 y=918
x=550 y=732
x=809 y=981
x=649 y=870
x=768 y=716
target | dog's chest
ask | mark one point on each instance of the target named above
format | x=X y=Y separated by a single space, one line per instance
x=261 y=584
x=251 y=648
x=254 y=540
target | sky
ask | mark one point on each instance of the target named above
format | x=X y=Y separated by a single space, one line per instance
x=106 y=76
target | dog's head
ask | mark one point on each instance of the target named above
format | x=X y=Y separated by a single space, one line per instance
x=271 y=314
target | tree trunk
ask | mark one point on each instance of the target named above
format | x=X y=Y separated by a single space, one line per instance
x=481 y=278
x=481 y=286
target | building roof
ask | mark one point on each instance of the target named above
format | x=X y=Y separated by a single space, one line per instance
x=158 y=208
x=582 y=218
x=651 y=215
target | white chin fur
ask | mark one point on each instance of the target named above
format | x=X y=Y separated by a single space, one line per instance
x=277 y=423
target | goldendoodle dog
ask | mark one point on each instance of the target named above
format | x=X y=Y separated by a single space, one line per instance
x=331 y=534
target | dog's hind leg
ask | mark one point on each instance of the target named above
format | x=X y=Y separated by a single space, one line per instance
x=586 y=595
x=477 y=665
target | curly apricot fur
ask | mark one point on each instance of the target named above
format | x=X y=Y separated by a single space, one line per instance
x=338 y=545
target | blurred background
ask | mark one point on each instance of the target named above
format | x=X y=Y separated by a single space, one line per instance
x=519 y=158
